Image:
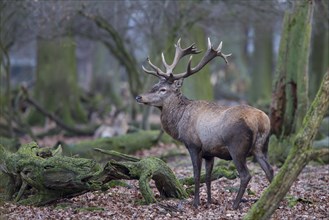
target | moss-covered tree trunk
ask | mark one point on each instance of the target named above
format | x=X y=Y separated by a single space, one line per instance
x=290 y=94
x=56 y=81
x=300 y=154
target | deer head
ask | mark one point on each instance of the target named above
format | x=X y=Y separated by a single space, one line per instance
x=170 y=83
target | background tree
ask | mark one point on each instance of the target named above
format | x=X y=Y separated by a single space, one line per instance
x=290 y=95
x=57 y=78
x=12 y=25
x=319 y=57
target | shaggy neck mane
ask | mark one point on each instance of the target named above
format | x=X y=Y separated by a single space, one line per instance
x=172 y=112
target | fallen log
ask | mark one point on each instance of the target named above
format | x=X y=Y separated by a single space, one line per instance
x=38 y=176
x=126 y=144
x=144 y=170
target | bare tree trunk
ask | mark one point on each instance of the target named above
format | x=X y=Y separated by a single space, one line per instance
x=300 y=154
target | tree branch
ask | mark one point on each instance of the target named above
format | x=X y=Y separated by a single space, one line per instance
x=54 y=118
x=119 y=50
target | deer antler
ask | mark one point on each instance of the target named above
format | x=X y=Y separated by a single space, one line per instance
x=179 y=53
x=210 y=54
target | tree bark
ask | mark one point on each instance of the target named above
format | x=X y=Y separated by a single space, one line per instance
x=300 y=154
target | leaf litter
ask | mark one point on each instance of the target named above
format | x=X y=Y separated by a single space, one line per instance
x=308 y=198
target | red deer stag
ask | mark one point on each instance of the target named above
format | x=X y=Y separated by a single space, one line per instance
x=207 y=129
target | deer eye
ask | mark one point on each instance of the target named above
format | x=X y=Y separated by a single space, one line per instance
x=163 y=90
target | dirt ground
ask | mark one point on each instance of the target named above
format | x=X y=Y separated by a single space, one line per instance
x=307 y=199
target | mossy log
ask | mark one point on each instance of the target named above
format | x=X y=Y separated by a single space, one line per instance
x=126 y=144
x=146 y=169
x=37 y=176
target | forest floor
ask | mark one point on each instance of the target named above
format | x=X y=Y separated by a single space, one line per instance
x=308 y=198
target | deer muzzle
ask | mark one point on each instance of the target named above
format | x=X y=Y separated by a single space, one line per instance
x=139 y=99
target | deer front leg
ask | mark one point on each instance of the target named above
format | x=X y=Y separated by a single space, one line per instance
x=209 y=167
x=196 y=157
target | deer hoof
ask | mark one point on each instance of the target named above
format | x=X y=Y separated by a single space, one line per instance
x=235 y=206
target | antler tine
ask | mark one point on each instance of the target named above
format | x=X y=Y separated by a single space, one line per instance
x=157 y=71
x=165 y=64
x=219 y=52
x=210 y=54
x=179 y=54
x=149 y=71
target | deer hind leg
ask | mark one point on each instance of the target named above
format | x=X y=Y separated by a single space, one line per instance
x=260 y=154
x=239 y=149
x=209 y=166
x=245 y=177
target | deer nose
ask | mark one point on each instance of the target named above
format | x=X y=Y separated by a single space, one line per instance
x=138 y=98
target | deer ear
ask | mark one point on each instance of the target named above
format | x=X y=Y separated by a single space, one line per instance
x=178 y=83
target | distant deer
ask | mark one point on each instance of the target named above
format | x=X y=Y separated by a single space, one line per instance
x=207 y=129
